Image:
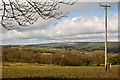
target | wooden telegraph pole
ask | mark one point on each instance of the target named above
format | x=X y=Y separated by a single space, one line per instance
x=106 y=65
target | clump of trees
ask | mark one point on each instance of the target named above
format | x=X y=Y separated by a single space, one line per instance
x=58 y=58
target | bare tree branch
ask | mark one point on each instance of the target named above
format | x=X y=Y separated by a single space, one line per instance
x=27 y=12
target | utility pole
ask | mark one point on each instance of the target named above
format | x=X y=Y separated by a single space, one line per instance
x=106 y=64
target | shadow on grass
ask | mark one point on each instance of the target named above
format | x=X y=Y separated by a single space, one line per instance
x=38 y=78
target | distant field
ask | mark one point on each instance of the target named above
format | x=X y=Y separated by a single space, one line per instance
x=75 y=46
x=58 y=72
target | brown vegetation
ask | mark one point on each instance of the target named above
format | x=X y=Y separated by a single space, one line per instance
x=57 y=57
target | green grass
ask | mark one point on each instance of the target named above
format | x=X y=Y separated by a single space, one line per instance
x=58 y=72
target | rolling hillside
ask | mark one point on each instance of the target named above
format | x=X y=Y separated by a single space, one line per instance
x=86 y=46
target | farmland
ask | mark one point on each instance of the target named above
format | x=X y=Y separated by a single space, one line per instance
x=63 y=60
x=61 y=54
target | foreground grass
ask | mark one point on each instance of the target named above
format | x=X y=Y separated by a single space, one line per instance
x=58 y=72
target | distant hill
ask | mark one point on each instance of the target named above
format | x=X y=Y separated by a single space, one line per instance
x=87 y=46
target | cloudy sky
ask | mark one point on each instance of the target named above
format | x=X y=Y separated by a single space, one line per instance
x=85 y=23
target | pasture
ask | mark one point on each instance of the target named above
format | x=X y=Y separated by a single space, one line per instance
x=51 y=72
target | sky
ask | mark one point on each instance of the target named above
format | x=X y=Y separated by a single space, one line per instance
x=85 y=23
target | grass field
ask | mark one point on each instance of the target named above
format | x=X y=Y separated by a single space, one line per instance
x=58 y=72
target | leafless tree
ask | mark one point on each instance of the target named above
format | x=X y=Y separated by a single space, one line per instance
x=26 y=12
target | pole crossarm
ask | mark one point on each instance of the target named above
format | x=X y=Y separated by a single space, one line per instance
x=103 y=5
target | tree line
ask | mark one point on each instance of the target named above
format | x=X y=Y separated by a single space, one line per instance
x=57 y=57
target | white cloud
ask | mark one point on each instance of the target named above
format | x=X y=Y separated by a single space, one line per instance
x=81 y=25
x=75 y=29
x=78 y=25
